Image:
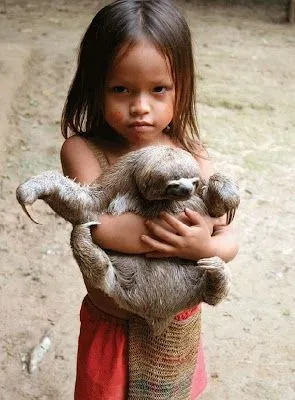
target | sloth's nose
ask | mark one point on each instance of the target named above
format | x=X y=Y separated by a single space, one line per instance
x=180 y=189
x=184 y=190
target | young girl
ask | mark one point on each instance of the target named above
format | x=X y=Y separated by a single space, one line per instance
x=134 y=87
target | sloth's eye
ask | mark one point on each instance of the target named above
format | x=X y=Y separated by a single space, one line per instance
x=173 y=185
x=195 y=181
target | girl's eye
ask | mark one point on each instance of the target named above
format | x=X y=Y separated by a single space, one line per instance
x=159 y=89
x=119 y=89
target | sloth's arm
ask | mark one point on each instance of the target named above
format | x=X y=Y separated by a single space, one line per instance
x=75 y=203
x=224 y=242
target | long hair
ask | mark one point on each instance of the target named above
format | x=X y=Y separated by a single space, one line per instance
x=126 y=22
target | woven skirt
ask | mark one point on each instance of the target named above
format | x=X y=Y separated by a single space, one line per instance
x=110 y=362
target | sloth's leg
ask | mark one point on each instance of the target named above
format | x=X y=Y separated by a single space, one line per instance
x=215 y=280
x=70 y=200
x=94 y=263
x=221 y=196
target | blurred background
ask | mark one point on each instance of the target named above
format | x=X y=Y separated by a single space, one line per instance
x=245 y=57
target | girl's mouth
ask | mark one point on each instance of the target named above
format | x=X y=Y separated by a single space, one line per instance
x=136 y=124
x=140 y=127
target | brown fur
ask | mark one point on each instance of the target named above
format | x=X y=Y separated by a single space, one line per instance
x=145 y=182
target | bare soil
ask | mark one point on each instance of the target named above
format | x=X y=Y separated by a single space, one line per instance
x=246 y=96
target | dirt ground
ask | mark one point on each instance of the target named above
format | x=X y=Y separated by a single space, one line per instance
x=246 y=98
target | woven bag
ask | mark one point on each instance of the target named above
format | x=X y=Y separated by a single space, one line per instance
x=162 y=367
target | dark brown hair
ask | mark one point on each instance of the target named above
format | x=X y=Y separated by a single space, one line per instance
x=126 y=22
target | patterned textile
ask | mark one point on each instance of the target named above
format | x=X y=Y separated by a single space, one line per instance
x=162 y=367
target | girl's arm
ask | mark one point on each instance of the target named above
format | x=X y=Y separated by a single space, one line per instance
x=118 y=233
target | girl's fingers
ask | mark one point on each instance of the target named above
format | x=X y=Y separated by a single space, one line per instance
x=201 y=221
x=162 y=233
x=194 y=217
x=180 y=228
x=157 y=246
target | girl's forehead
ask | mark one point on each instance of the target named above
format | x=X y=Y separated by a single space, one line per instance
x=141 y=58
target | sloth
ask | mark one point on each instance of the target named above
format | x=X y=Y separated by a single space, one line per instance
x=146 y=182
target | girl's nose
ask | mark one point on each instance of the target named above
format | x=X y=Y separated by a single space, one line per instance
x=139 y=105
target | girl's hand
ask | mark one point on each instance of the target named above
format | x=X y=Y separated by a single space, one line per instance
x=186 y=237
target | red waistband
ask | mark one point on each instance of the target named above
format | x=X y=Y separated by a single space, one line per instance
x=187 y=313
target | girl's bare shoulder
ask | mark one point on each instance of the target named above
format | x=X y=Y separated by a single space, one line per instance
x=78 y=160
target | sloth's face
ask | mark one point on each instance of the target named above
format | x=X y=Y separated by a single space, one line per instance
x=181 y=189
x=167 y=174
x=161 y=188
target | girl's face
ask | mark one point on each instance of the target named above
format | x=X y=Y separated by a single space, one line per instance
x=139 y=94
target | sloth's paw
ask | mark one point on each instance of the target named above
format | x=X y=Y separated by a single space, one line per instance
x=216 y=279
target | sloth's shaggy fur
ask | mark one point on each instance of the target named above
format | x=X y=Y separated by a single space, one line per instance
x=145 y=182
